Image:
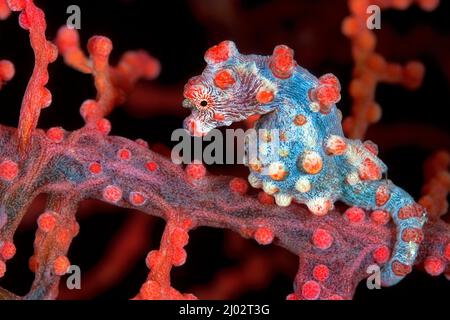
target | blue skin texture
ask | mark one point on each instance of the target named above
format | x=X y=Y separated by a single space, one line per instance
x=338 y=178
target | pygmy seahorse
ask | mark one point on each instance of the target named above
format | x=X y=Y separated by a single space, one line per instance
x=317 y=165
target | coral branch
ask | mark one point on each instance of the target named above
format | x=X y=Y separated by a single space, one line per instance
x=89 y=165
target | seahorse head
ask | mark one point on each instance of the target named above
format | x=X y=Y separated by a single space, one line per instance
x=231 y=88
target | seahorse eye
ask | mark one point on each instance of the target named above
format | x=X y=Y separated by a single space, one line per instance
x=204 y=103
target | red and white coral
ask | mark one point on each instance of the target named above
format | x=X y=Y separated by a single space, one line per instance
x=88 y=164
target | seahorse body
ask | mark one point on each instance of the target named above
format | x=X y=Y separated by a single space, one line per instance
x=316 y=165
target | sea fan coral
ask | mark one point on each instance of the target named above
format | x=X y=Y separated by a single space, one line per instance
x=334 y=251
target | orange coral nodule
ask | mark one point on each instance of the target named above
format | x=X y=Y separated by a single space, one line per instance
x=7 y=70
x=434 y=266
x=67 y=39
x=95 y=168
x=350 y=26
x=300 y=120
x=376 y=63
x=354 y=214
x=412 y=235
x=192 y=91
x=428 y=5
x=103 y=126
x=140 y=63
x=400 y=269
x=327 y=95
x=264 y=235
x=179 y=257
x=112 y=194
x=75 y=228
x=311 y=290
x=36 y=95
x=33 y=264
x=124 y=154
x=265 y=198
x=410 y=211
x=382 y=195
x=2 y=269
x=321 y=272
x=264 y=96
x=16 y=5
x=151 y=166
x=61 y=265
x=4 y=10
x=255 y=165
x=55 y=134
x=413 y=74
x=89 y=108
x=45 y=98
x=179 y=237
x=335 y=145
x=150 y=290
x=380 y=217
x=152 y=258
x=319 y=206
x=219 y=116
x=331 y=80
x=137 y=198
x=34 y=19
x=369 y=170
x=195 y=171
x=63 y=237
